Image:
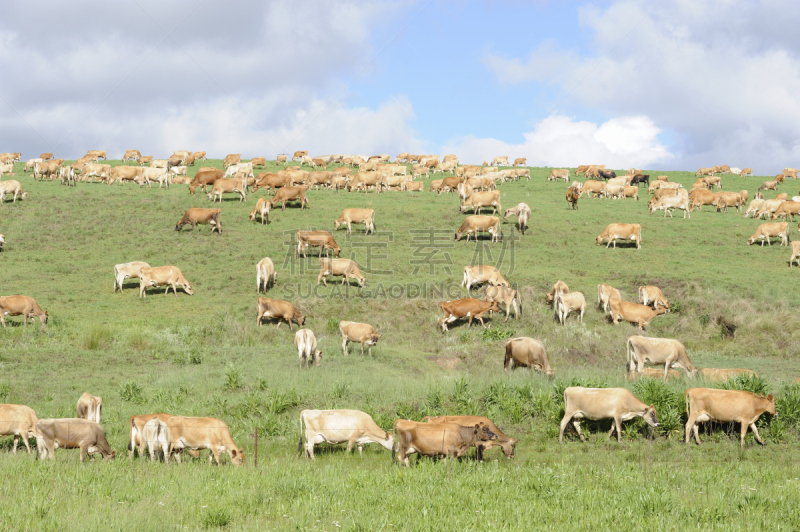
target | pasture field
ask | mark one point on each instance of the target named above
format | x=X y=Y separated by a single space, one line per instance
x=204 y=355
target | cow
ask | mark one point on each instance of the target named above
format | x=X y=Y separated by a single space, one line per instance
x=505 y=295
x=770 y=230
x=24 y=306
x=155 y=433
x=339 y=426
x=230 y=159
x=2 y=241
x=357 y=216
x=346 y=268
x=651 y=373
x=614 y=232
x=707 y=404
x=131 y=155
x=559 y=288
x=90 y=407
x=480 y=274
x=261 y=209
x=704 y=171
x=782 y=196
x=146 y=159
x=30 y=163
x=604 y=294
x=581 y=170
x=437 y=439
x=746 y=172
x=203 y=178
x=479 y=223
x=14 y=187
x=637 y=180
x=615 y=191
x=722 y=375
x=96 y=154
x=723 y=200
x=573 y=195
x=567 y=303
x=768 y=207
x=500 y=161
x=71 y=433
x=522 y=212
x=479 y=200
x=265 y=275
x=321 y=239
x=281 y=160
x=361 y=333
x=657 y=351
x=606 y=174
x=171 y=276
x=103 y=171
x=276 y=309
x=795 y=251
x=769 y=185
x=520 y=161
x=199 y=155
x=466 y=308
x=754 y=207
x=290 y=194
x=412 y=186
x=126 y=173
x=19 y=421
x=136 y=439
x=618 y=404
x=594 y=189
x=234 y=169
x=641 y=315
x=527 y=352
x=223 y=186
x=306 y=344
x=48 y=169
x=668 y=203
x=557 y=173
x=631 y=192
x=787 y=209
x=713 y=181
x=298 y=155
x=507 y=444
x=271 y=181
x=653 y=297
x=196 y=215
x=202 y=433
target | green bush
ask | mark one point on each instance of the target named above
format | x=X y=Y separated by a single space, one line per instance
x=233 y=379
x=788 y=405
x=495 y=334
x=132 y=392
x=748 y=383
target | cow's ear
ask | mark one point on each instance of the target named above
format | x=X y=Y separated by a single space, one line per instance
x=770 y=398
x=653 y=407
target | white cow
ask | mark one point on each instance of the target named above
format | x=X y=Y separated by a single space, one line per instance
x=306 y=344
x=127 y=270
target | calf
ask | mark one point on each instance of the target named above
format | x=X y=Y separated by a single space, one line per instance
x=604 y=294
x=522 y=212
x=618 y=404
x=261 y=209
x=362 y=333
x=732 y=406
x=306 y=344
x=275 y=309
x=559 y=288
x=507 y=444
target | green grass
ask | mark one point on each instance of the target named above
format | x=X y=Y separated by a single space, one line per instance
x=204 y=355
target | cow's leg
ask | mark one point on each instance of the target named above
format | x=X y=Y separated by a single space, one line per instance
x=344 y=345
x=755 y=433
x=577 y=424
x=564 y=421
x=84 y=448
x=16 y=440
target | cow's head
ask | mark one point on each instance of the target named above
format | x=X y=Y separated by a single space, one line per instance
x=509 y=448
x=374 y=338
x=362 y=281
x=550 y=373
x=179 y=225
x=301 y=320
x=336 y=251
x=110 y=456
x=484 y=433
x=317 y=357
x=237 y=457
x=46 y=317
x=650 y=416
x=599 y=239
x=494 y=307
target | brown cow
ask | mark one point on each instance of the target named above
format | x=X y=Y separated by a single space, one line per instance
x=321 y=239
x=618 y=404
x=436 y=439
x=19 y=421
x=507 y=444
x=770 y=230
x=171 y=276
x=614 y=232
x=360 y=333
x=339 y=426
x=357 y=216
x=466 y=308
x=505 y=295
x=567 y=303
x=722 y=375
x=707 y=404
x=71 y=433
x=290 y=194
x=203 y=178
x=202 y=433
x=657 y=351
x=346 y=268
x=271 y=181
x=479 y=223
x=604 y=294
x=197 y=215
x=635 y=313
x=559 y=288
x=480 y=274
x=652 y=297
x=90 y=407
x=24 y=306
x=276 y=309
x=261 y=209
x=527 y=352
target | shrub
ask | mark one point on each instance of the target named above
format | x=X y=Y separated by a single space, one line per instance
x=233 y=379
x=5 y=392
x=501 y=332
x=97 y=338
x=216 y=518
x=788 y=405
x=670 y=405
x=748 y=383
x=132 y=392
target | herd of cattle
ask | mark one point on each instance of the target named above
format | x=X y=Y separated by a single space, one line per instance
x=476 y=187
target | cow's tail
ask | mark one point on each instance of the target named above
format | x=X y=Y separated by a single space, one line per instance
x=519 y=300
x=130 y=432
x=300 y=443
x=686 y=398
x=628 y=350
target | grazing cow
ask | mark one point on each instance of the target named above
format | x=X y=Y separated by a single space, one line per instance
x=412 y=186
x=231 y=158
x=232 y=170
x=479 y=200
x=527 y=352
x=770 y=230
x=11 y=187
x=306 y=344
x=724 y=200
x=480 y=274
x=635 y=313
x=615 y=191
x=437 y=439
x=298 y=155
x=46 y=169
x=2 y=241
x=136 y=438
x=581 y=170
x=711 y=182
x=505 y=295
x=754 y=207
x=637 y=180
x=155 y=433
x=199 y=155
x=606 y=174
x=171 y=276
x=631 y=192
x=795 y=251
x=357 y=216
x=90 y=407
x=131 y=155
x=479 y=223
x=769 y=185
x=360 y=333
x=768 y=207
x=346 y=268
x=595 y=189
x=707 y=404
x=722 y=375
x=507 y=444
x=339 y=426
x=782 y=196
x=746 y=172
x=24 y=306
x=668 y=203
x=657 y=351
x=19 y=421
x=203 y=178
x=126 y=173
x=604 y=294
x=701 y=197
x=71 y=433
x=614 y=232
x=103 y=171
x=321 y=239
x=557 y=173
x=520 y=161
x=559 y=288
x=96 y=154
x=30 y=164
x=197 y=215
x=146 y=159
x=466 y=308
x=787 y=209
x=705 y=171
x=522 y=212
x=261 y=209
x=271 y=181
x=276 y=309
x=618 y=404
x=281 y=159
x=290 y=194
x=223 y=186
x=202 y=433
x=266 y=275
x=500 y=161
x=663 y=192
x=652 y=297
x=567 y=303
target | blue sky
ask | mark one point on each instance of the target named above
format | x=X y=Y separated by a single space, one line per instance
x=626 y=83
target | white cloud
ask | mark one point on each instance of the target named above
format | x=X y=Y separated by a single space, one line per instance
x=560 y=141
x=717 y=74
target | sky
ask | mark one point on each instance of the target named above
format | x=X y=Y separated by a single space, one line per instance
x=667 y=85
